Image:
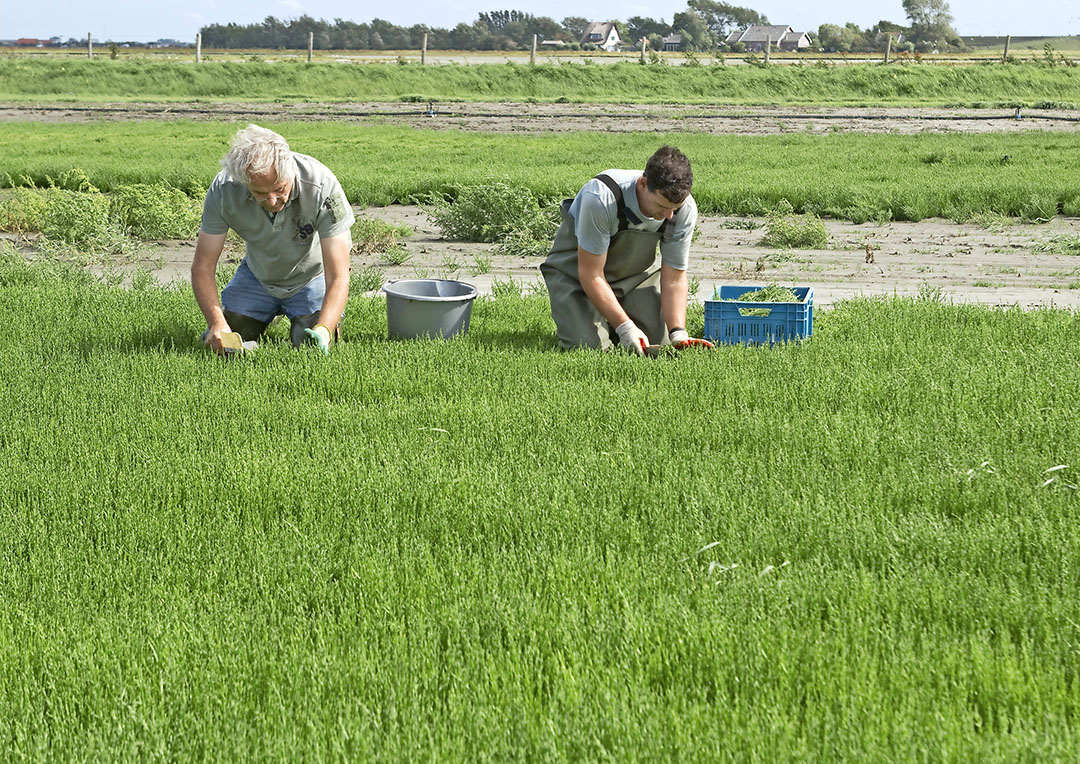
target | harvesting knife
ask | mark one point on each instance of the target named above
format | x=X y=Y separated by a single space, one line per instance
x=232 y=342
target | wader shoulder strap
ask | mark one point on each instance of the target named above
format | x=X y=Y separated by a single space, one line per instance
x=626 y=217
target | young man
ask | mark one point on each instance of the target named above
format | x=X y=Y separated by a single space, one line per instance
x=601 y=275
x=294 y=219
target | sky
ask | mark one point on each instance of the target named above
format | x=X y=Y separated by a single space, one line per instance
x=145 y=20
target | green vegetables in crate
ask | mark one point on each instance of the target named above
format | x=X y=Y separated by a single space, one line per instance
x=769 y=293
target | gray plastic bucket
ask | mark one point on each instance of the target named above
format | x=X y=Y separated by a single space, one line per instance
x=428 y=308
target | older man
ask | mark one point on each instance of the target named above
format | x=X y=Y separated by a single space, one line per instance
x=600 y=274
x=294 y=219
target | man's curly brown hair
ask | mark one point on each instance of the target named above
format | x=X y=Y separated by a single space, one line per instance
x=668 y=172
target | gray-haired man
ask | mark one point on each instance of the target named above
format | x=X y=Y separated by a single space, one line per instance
x=294 y=219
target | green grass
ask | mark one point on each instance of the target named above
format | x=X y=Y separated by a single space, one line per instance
x=986 y=84
x=487 y=549
x=1059 y=244
x=857 y=177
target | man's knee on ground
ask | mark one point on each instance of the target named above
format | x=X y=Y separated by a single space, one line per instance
x=247 y=327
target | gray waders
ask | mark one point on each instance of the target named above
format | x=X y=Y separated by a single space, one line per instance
x=629 y=270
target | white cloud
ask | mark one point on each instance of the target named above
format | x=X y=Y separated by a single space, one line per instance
x=290 y=6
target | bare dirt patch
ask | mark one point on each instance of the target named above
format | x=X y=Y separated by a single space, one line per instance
x=559 y=118
x=967 y=263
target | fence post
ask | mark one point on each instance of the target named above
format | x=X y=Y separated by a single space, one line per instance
x=198 y=48
x=888 y=47
x=1005 y=55
x=310 y=45
x=644 y=42
x=423 y=51
x=89 y=45
x=768 y=48
x=532 y=55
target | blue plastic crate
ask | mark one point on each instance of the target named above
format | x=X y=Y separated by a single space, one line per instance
x=787 y=321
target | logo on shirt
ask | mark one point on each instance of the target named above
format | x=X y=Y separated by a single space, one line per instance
x=304 y=230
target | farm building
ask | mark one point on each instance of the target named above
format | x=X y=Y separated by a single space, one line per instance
x=757 y=36
x=795 y=41
x=602 y=34
x=673 y=42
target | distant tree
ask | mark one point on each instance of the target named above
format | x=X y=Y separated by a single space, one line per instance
x=463 y=37
x=696 y=34
x=297 y=30
x=416 y=35
x=497 y=21
x=393 y=36
x=931 y=21
x=439 y=39
x=639 y=26
x=275 y=33
x=721 y=18
x=893 y=30
x=513 y=29
x=888 y=26
x=846 y=39
x=546 y=28
x=574 y=26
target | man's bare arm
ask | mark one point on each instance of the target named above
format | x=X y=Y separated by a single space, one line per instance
x=208 y=250
x=335 y=254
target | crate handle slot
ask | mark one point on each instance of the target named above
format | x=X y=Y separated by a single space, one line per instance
x=759 y=312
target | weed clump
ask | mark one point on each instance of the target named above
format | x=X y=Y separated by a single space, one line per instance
x=522 y=243
x=1059 y=244
x=496 y=212
x=76 y=219
x=783 y=228
x=156 y=211
x=23 y=209
x=371 y=236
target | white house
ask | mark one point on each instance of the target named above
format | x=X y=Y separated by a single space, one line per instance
x=758 y=36
x=602 y=34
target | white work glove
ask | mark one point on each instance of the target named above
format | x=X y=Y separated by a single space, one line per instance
x=631 y=337
x=681 y=339
x=319 y=337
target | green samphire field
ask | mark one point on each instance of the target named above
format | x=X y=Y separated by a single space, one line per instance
x=859 y=548
x=863 y=547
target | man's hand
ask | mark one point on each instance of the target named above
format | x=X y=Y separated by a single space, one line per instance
x=212 y=337
x=319 y=337
x=631 y=337
x=681 y=340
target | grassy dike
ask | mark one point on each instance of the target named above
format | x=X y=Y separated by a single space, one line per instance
x=846 y=550
x=846 y=176
x=1028 y=84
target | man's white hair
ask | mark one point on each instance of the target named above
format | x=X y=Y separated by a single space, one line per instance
x=255 y=151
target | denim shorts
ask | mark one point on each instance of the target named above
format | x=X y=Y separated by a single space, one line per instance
x=246 y=296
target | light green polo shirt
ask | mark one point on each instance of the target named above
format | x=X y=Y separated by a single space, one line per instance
x=283 y=250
